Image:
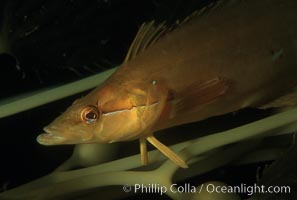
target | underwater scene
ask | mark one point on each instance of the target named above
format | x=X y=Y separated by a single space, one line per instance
x=151 y=99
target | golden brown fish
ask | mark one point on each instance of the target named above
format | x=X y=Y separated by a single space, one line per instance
x=238 y=54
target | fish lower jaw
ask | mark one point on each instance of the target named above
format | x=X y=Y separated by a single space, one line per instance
x=49 y=139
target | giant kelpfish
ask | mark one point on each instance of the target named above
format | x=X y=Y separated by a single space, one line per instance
x=225 y=57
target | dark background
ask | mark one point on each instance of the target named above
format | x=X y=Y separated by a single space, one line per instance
x=50 y=43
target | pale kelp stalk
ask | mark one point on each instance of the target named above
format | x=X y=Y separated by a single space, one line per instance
x=32 y=100
x=206 y=153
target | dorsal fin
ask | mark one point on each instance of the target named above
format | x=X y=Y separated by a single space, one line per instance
x=147 y=35
x=203 y=11
x=150 y=32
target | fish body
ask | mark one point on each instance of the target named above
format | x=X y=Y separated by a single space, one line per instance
x=241 y=54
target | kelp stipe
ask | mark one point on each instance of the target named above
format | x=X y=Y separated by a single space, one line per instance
x=31 y=100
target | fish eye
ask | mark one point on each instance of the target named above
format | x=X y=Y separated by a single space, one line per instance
x=90 y=114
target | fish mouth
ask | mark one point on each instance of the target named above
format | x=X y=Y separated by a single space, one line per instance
x=49 y=138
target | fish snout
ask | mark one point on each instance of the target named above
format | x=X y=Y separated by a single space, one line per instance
x=50 y=137
x=50 y=129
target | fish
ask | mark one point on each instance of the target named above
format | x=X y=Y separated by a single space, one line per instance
x=223 y=58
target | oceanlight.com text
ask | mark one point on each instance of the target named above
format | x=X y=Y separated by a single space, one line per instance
x=155 y=188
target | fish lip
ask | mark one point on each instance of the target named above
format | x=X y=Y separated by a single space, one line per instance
x=49 y=137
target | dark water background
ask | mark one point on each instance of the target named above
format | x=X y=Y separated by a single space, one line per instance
x=50 y=43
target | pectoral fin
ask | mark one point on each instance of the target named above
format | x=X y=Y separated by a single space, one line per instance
x=200 y=94
x=197 y=96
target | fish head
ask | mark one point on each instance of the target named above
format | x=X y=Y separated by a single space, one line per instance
x=76 y=125
x=106 y=115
